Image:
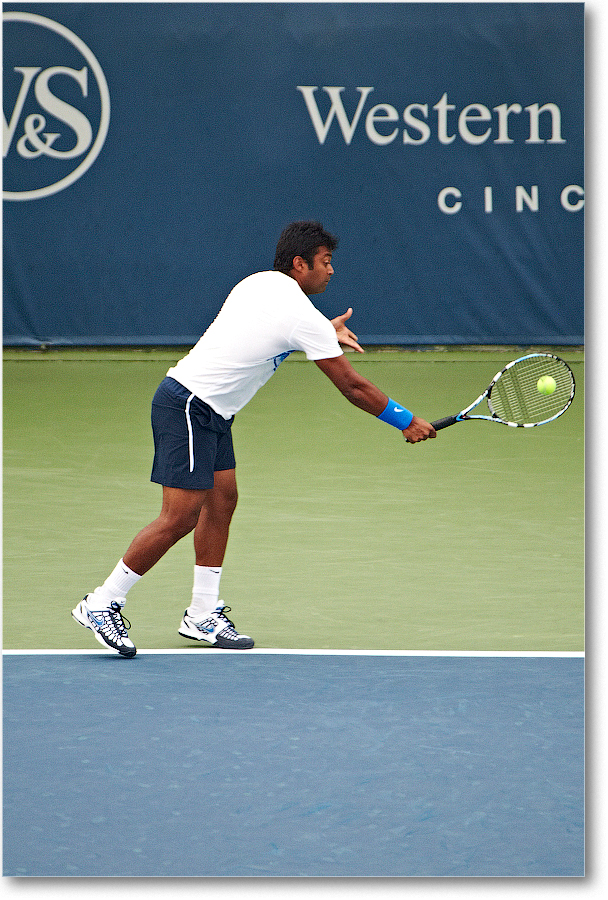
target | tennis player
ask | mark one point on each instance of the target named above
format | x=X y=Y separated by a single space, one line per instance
x=264 y=318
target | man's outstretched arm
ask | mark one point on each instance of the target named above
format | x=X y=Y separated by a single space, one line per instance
x=362 y=393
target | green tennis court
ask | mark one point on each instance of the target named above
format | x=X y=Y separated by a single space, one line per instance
x=345 y=537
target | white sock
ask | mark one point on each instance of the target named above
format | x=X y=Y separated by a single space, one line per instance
x=205 y=592
x=115 y=587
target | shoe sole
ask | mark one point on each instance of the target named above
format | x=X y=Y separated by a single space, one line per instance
x=247 y=644
x=128 y=652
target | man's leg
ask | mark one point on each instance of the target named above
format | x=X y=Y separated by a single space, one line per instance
x=213 y=525
x=210 y=539
x=101 y=610
x=205 y=619
x=178 y=517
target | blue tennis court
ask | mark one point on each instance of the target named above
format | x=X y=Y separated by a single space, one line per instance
x=277 y=764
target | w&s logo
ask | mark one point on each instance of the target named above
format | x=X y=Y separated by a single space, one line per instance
x=56 y=107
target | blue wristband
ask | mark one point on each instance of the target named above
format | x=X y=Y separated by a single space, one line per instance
x=396 y=415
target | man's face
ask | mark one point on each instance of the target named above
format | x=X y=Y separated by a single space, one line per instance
x=315 y=280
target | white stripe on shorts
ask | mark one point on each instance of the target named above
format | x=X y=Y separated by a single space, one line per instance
x=190 y=438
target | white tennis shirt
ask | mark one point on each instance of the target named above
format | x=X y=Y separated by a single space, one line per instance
x=264 y=318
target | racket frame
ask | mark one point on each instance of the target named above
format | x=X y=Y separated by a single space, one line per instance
x=464 y=416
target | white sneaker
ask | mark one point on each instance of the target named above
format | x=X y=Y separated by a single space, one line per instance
x=107 y=625
x=216 y=629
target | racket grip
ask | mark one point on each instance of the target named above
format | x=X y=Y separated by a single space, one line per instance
x=444 y=423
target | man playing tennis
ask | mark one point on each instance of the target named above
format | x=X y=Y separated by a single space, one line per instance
x=264 y=318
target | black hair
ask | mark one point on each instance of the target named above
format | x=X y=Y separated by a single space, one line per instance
x=301 y=239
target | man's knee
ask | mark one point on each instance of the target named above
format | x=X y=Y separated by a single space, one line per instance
x=230 y=498
x=180 y=511
x=225 y=494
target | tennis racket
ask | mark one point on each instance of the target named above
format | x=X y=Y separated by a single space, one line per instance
x=513 y=396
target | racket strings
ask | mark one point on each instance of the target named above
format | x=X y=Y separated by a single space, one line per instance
x=515 y=396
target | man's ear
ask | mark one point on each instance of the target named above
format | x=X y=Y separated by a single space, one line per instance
x=299 y=264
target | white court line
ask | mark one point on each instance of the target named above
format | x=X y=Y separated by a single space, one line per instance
x=208 y=653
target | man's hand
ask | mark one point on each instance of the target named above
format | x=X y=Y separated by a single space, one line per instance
x=418 y=430
x=344 y=334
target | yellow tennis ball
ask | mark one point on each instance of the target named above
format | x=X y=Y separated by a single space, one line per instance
x=546 y=384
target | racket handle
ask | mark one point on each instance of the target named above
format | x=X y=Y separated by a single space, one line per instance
x=444 y=423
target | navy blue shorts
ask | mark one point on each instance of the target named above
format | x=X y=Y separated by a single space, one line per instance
x=191 y=441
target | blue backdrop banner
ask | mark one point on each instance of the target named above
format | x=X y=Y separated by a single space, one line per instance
x=153 y=152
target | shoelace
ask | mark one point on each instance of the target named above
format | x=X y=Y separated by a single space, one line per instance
x=221 y=614
x=115 y=622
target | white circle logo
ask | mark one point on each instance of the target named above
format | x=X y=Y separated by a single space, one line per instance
x=60 y=113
